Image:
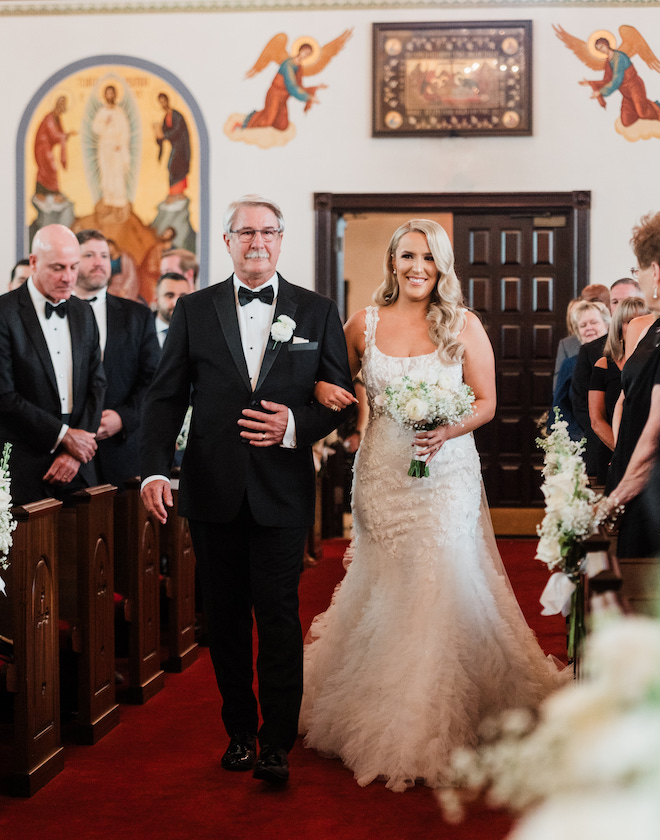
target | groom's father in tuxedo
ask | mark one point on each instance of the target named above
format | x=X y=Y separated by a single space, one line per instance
x=51 y=378
x=247 y=353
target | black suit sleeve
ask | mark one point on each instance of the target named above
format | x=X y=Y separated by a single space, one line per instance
x=314 y=421
x=130 y=409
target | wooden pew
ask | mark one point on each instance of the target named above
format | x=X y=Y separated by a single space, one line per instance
x=86 y=551
x=31 y=622
x=176 y=546
x=137 y=576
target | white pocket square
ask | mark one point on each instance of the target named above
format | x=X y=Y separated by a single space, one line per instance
x=298 y=340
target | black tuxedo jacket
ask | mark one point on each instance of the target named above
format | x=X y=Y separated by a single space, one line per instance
x=30 y=411
x=130 y=361
x=203 y=351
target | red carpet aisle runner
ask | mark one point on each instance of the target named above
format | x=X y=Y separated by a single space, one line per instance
x=157 y=775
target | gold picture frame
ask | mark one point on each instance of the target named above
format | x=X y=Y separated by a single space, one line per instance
x=452 y=79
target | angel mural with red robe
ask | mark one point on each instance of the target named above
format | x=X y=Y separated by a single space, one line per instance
x=306 y=59
x=619 y=74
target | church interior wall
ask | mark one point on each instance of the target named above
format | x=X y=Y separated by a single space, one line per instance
x=574 y=145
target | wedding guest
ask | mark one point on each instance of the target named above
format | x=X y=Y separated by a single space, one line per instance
x=605 y=385
x=637 y=434
x=592 y=319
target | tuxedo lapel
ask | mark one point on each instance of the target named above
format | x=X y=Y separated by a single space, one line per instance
x=225 y=306
x=286 y=305
x=35 y=335
x=78 y=341
x=115 y=327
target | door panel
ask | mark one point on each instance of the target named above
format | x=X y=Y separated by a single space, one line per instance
x=516 y=273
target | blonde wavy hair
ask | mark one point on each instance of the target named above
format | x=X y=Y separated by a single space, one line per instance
x=446 y=315
x=628 y=309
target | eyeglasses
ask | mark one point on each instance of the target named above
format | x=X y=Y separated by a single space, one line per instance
x=635 y=272
x=248 y=234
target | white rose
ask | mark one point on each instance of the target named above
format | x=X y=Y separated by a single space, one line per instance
x=416 y=409
x=282 y=329
x=5 y=499
x=381 y=400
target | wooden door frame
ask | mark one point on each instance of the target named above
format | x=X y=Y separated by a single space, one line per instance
x=576 y=205
x=330 y=207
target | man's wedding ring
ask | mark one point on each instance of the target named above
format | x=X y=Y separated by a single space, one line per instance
x=334 y=407
x=263 y=435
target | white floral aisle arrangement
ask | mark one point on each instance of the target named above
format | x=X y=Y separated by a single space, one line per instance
x=573 y=513
x=423 y=403
x=7 y=523
x=587 y=767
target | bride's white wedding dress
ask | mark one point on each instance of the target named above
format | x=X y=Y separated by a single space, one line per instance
x=424 y=637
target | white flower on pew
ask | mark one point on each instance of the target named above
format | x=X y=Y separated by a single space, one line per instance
x=7 y=523
x=588 y=768
x=573 y=513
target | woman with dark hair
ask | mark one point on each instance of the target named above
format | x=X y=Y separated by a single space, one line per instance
x=424 y=637
x=637 y=435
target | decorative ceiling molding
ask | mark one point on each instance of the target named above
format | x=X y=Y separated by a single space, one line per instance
x=83 y=7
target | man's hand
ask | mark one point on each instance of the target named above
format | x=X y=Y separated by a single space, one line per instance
x=80 y=444
x=265 y=428
x=111 y=424
x=156 y=495
x=63 y=470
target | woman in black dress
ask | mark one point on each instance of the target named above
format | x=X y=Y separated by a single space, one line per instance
x=638 y=434
x=605 y=385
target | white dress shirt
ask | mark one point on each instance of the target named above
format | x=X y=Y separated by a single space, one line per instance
x=58 y=339
x=254 y=321
x=162 y=328
x=99 y=304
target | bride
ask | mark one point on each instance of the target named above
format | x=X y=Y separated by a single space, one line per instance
x=424 y=637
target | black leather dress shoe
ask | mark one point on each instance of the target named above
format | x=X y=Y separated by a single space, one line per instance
x=272 y=766
x=241 y=752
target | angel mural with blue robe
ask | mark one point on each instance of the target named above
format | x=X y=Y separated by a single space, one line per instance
x=619 y=74
x=306 y=59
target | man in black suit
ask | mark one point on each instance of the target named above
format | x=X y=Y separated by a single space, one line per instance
x=51 y=378
x=130 y=356
x=251 y=349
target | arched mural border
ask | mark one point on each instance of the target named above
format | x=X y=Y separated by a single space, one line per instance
x=182 y=90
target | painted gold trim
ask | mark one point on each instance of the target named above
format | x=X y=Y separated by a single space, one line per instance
x=80 y=7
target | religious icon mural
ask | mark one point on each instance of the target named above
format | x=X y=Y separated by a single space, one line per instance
x=640 y=116
x=116 y=147
x=270 y=126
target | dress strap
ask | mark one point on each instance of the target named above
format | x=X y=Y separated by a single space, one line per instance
x=371 y=321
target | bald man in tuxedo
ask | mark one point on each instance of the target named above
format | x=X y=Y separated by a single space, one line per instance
x=52 y=382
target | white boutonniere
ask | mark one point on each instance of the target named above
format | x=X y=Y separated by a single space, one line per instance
x=282 y=330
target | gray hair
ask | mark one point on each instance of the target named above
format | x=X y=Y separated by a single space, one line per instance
x=251 y=201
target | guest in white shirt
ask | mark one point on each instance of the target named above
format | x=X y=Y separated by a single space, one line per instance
x=170 y=287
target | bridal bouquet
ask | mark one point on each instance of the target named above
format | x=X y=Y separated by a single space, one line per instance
x=7 y=523
x=423 y=403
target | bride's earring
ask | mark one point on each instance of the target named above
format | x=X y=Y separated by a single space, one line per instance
x=655 y=293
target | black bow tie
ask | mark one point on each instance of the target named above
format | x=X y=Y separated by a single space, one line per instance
x=266 y=295
x=60 y=309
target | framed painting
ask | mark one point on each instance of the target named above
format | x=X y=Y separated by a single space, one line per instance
x=452 y=79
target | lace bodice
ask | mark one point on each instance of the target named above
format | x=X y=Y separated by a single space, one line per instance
x=378 y=369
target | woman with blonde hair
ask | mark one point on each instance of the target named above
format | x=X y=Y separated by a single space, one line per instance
x=605 y=385
x=424 y=637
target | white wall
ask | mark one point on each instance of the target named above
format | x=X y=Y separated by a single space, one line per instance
x=574 y=146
